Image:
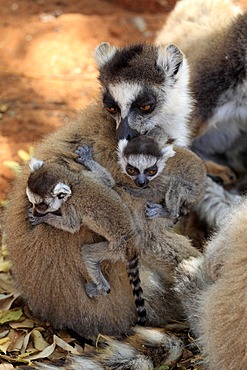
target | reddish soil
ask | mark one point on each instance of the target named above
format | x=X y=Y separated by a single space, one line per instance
x=47 y=73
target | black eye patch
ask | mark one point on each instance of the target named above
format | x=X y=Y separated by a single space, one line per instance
x=109 y=102
x=145 y=102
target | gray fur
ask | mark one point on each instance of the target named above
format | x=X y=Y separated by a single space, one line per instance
x=216 y=204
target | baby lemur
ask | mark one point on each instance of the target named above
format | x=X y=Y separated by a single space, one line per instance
x=142 y=160
x=59 y=201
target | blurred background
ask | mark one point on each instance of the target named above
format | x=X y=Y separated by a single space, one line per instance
x=47 y=72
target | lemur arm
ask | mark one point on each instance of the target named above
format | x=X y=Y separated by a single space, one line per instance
x=70 y=222
x=85 y=157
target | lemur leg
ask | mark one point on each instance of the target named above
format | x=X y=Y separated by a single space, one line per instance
x=93 y=255
x=85 y=158
x=70 y=224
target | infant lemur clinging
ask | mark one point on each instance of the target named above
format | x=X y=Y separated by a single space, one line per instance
x=49 y=194
x=142 y=159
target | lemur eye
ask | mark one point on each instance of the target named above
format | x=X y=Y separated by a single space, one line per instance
x=61 y=195
x=145 y=107
x=112 y=110
x=132 y=170
x=151 y=171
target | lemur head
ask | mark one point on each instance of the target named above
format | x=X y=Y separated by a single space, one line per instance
x=142 y=160
x=44 y=190
x=145 y=88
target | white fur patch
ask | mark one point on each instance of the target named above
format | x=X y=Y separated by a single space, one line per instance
x=124 y=93
x=62 y=188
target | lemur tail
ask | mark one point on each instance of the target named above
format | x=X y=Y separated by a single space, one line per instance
x=134 y=277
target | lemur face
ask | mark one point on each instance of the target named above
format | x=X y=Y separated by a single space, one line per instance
x=142 y=160
x=135 y=108
x=145 y=88
x=44 y=192
x=142 y=169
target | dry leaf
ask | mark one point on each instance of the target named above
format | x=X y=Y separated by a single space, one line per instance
x=6 y=367
x=25 y=324
x=4 y=344
x=38 y=341
x=6 y=300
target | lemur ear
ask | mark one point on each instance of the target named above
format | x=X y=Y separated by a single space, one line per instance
x=62 y=189
x=35 y=164
x=103 y=53
x=167 y=152
x=170 y=59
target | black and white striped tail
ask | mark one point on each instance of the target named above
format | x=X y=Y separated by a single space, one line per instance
x=134 y=277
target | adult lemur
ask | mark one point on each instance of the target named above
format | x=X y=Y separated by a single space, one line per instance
x=156 y=102
x=213 y=35
x=213 y=291
x=56 y=266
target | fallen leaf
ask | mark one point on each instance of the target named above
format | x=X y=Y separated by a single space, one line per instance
x=4 y=344
x=6 y=367
x=38 y=341
x=11 y=315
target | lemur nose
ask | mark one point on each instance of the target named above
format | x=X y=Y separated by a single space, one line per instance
x=141 y=182
x=41 y=206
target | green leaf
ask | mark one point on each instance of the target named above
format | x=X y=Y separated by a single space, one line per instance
x=162 y=367
x=14 y=166
x=24 y=155
x=11 y=315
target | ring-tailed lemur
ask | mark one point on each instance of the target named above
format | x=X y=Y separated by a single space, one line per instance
x=145 y=90
x=212 y=290
x=58 y=201
x=183 y=172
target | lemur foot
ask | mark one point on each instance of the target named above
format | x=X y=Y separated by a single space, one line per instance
x=92 y=290
x=223 y=175
x=156 y=210
x=85 y=154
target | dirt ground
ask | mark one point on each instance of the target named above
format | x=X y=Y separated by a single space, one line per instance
x=47 y=72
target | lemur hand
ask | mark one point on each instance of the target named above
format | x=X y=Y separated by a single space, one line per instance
x=85 y=154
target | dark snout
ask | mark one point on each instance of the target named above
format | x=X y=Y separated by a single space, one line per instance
x=126 y=132
x=40 y=209
x=141 y=181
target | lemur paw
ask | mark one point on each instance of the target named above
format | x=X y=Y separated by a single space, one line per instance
x=92 y=290
x=155 y=210
x=85 y=154
x=34 y=220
